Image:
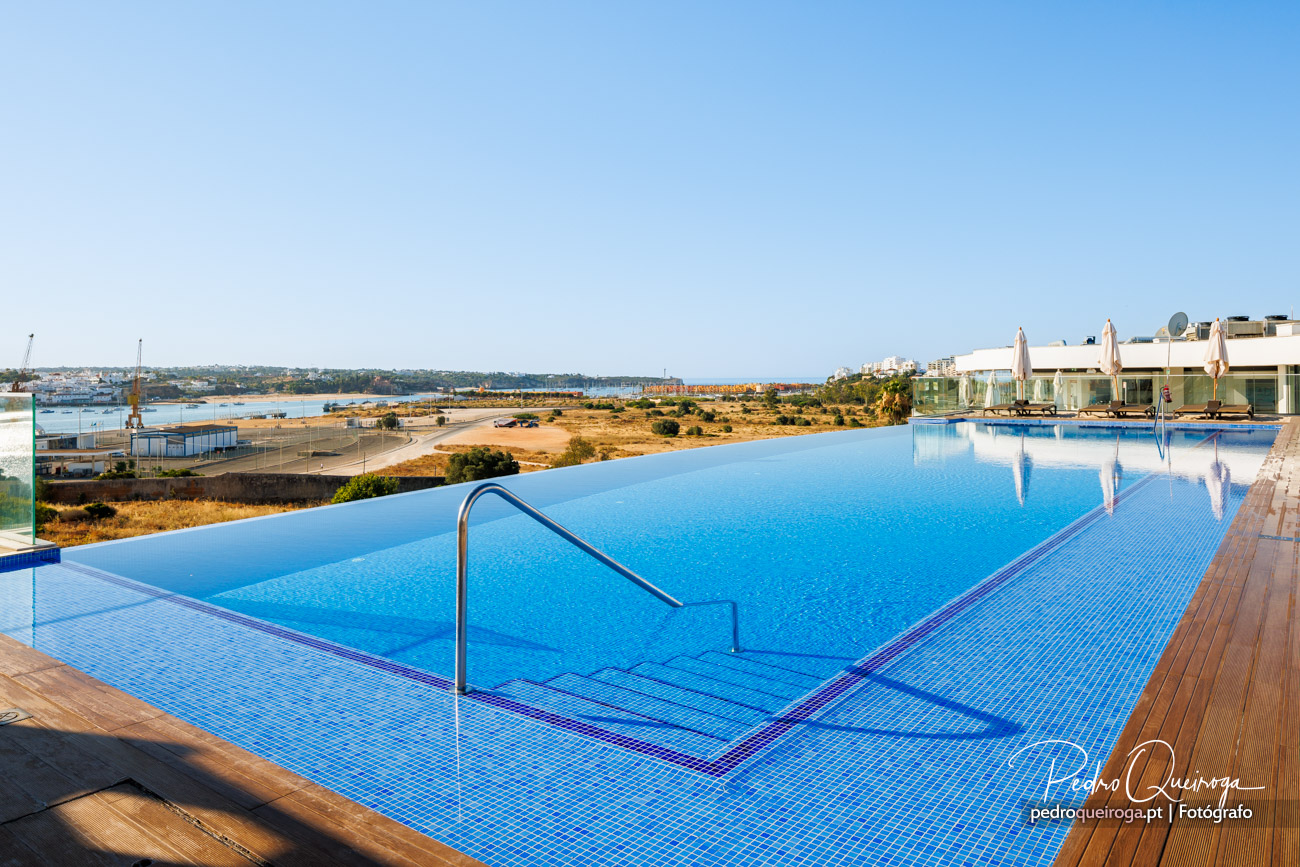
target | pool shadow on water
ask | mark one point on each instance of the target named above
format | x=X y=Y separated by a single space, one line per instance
x=993 y=726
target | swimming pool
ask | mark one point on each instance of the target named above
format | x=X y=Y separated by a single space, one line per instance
x=915 y=604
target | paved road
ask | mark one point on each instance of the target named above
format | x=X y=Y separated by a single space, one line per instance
x=392 y=448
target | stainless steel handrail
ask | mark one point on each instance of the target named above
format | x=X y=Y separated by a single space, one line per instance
x=462 y=568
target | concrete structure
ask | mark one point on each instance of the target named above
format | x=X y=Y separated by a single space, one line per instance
x=946 y=366
x=185 y=441
x=231 y=487
x=1263 y=353
x=890 y=366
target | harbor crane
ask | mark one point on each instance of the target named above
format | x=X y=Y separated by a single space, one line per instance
x=133 y=420
x=24 y=373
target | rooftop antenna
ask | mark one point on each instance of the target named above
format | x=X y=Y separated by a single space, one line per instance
x=1177 y=325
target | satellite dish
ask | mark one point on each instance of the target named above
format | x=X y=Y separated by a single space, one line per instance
x=1177 y=324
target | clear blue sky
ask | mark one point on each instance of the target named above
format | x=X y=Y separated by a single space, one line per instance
x=718 y=188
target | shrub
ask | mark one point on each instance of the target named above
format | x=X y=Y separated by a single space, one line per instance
x=442 y=420
x=480 y=463
x=526 y=416
x=839 y=421
x=177 y=474
x=665 y=427
x=116 y=474
x=71 y=515
x=853 y=422
x=365 y=487
x=694 y=431
x=45 y=514
x=802 y=422
x=707 y=415
x=577 y=451
x=388 y=421
x=656 y=412
x=726 y=428
x=556 y=413
x=744 y=410
x=42 y=490
x=100 y=511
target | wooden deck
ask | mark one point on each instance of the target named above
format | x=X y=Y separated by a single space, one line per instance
x=96 y=777
x=1226 y=696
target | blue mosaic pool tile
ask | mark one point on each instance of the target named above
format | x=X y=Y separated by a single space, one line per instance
x=905 y=760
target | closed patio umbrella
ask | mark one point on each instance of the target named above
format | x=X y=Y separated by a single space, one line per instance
x=1040 y=390
x=963 y=390
x=1020 y=468
x=1109 y=362
x=1021 y=369
x=990 y=393
x=1058 y=382
x=1216 y=355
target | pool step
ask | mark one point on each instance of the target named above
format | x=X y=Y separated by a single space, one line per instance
x=704 y=701
x=652 y=706
x=692 y=704
x=610 y=717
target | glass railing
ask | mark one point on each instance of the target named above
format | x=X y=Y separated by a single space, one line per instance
x=1269 y=394
x=17 y=470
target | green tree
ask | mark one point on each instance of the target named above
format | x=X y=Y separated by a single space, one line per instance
x=480 y=463
x=895 y=400
x=365 y=487
x=576 y=452
x=388 y=421
x=665 y=427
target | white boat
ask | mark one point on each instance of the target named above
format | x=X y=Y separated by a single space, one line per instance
x=44 y=411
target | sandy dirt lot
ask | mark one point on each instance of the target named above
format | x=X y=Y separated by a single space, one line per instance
x=546 y=438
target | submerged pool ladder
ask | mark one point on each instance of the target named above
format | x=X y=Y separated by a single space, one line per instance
x=462 y=563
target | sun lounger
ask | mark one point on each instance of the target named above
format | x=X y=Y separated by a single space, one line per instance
x=1008 y=408
x=1192 y=409
x=1101 y=408
x=1040 y=408
x=1246 y=409
x=1132 y=408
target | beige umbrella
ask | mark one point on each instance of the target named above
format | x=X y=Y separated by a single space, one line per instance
x=1057 y=382
x=1021 y=369
x=1109 y=362
x=1216 y=355
x=990 y=393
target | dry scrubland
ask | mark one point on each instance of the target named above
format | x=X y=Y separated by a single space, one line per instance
x=74 y=527
x=610 y=435
x=627 y=433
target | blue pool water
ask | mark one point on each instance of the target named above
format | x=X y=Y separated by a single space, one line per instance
x=608 y=728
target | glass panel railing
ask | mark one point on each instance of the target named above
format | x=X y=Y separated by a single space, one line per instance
x=17 y=470
x=1268 y=393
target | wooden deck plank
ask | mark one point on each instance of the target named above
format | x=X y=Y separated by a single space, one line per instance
x=1225 y=694
x=85 y=738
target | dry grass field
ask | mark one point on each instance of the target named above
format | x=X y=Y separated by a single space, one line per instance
x=140 y=518
x=608 y=434
x=627 y=433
